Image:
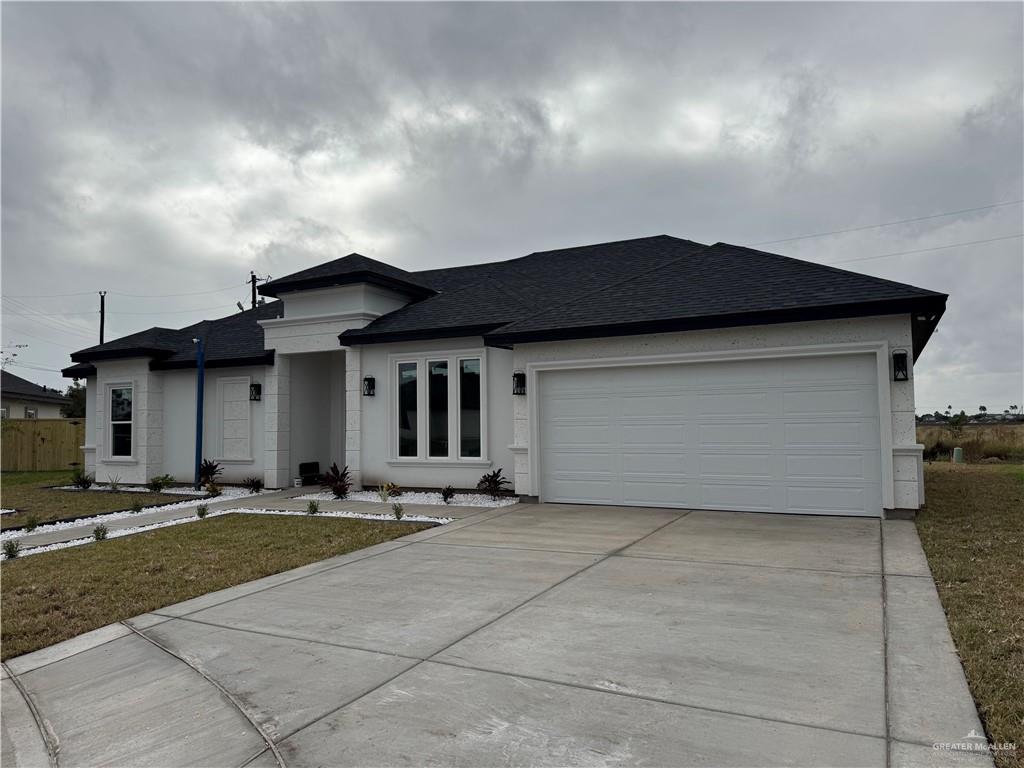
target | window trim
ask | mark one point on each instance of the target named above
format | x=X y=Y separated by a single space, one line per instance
x=31 y=413
x=4 y=413
x=422 y=361
x=108 y=422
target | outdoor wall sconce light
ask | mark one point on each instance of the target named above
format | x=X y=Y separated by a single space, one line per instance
x=518 y=383
x=256 y=392
x=900 y=371
x=369 y=386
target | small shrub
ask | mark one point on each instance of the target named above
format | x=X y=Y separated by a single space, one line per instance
x=337 y=481
x=209 y=471
x=397 y=510
x=82 y=479
x=447 y=494
x=31 y=523
x=158 y=483
x=313 y=508
x=493 y=483
x=387 y=491
x=114 y=482
x=99 y=532
x=213 y=489
x=136 y=506
x=253 y=484
x=201 y=511
x=12 y=548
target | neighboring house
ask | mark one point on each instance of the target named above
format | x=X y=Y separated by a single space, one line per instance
x=654 y=372
x=21 y=399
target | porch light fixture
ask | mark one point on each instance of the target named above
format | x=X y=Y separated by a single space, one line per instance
x=369 y=386
x=255 y=392
x=518 y=383
x=899 y=365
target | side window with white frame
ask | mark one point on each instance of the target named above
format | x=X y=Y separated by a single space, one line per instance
x=4 y=413
x=120 y=442
x=31 y=413
x=438 y=407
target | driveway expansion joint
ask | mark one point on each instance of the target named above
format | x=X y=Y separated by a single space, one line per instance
x=223 y=691
x=50 y=740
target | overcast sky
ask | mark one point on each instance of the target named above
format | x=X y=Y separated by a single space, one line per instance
x=170 y=148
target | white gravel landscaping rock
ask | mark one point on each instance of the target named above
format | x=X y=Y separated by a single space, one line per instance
x=419 y=497
x=226 y=495
x=7 y=511
x=118 y=533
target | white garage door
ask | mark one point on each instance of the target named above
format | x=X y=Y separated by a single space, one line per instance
x=796 y=435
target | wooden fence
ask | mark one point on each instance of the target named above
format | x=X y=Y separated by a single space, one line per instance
x=32 y=445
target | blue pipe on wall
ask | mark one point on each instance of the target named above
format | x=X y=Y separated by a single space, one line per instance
x=200 y=386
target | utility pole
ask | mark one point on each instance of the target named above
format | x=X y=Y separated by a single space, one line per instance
x=252 y=281
x=103 y=312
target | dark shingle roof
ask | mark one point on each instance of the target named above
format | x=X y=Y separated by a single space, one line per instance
x=233 y=340
x=716 y=286
x=536 y=282
x=646 y=285
x=23 y=389
x=354 y=268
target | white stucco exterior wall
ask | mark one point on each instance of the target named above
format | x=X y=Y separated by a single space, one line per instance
x=378 y=459
x=893 y=331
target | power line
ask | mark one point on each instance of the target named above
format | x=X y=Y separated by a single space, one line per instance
x=889 y=223
x=934 y=248
x=128 y=295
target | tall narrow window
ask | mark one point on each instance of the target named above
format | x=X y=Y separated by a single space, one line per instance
x=408 y=438
x=437 y=398
x=469 y=408
x=121 y=422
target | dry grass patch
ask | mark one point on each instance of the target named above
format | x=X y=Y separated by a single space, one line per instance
x=53 y=596
x=28 y=492
x=972 y=531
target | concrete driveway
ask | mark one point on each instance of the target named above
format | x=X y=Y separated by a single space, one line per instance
x=530 y=635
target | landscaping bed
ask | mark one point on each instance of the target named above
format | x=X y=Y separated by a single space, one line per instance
x=56 y=595
x=32 y=494
x=972 y=531
x=418 y=497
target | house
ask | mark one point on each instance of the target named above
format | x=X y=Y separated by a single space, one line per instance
x=21 y=399
x=655 y=372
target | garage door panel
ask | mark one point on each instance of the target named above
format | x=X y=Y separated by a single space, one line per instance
x=746 y=496
x=827 y=499
x=828 y=402
x=732 y=465
x=838 y=466
x=733 y=405
x=785 y=435
x=735 y=435
x=830 y=434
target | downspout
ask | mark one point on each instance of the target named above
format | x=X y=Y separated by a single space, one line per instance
x=200 y=387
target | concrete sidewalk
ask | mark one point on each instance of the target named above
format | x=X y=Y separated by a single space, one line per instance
x=529 y=635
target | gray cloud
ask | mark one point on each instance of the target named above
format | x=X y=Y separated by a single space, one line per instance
x=167 y=147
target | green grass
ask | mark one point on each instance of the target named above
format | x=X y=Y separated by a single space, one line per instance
x=972 y=530
x=53 y=596
x=28 y=493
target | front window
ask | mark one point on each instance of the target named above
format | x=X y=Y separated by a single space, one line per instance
x=437 y=399
x=469 y=408
x=408 y=438
x=121 y=422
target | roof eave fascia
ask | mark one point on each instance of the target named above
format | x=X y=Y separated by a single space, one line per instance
x=121 y=354
x=385 y=337
x=935 y=303
x=266 y=358
x=400 y=286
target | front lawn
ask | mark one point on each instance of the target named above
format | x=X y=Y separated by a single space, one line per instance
x=53 y=596
x=28 y=492
x=972 y=530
